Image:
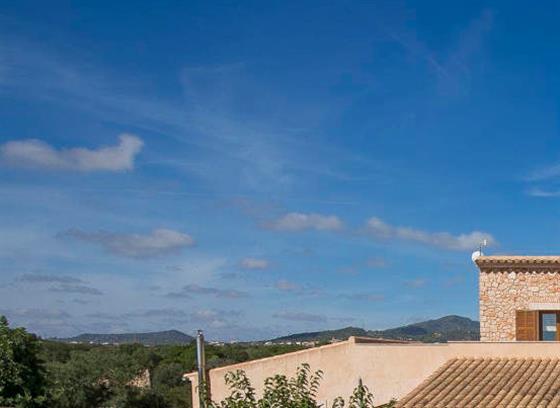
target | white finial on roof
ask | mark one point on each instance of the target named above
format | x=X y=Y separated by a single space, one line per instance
x=476 y=254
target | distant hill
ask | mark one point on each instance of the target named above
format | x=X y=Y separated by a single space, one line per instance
x=340 y=334
x=149 y=339
x=442 y=329
x=437 y=330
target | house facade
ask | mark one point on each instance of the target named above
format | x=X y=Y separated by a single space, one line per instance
x=519 y=298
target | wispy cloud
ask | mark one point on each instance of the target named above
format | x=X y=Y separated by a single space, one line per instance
x=38 y=154
x=544 y=173
x=454 y=280
x=415 y=283
x=254 y=263
x=355 y=268
x=286 y=286
x=452 y=69
x=260 y=154
x=364 y=296
x=300 y=317
x=230 y=275
x=159 y=313
x=203 y=318
x=293 y=288
x=376 y=262
x=44 y=278
x=59 y=283
x=462 y=242
x=300 y=221
x=72 y=288
x=32 y=313
x=188 y=291
x=157 y=243
x=539 y=192
x=352 y=270
x=215 y=318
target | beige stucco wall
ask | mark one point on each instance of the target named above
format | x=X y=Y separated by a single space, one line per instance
x=504 y=291
x=389 y=370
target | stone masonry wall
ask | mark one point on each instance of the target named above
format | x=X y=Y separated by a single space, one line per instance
x=502 y=292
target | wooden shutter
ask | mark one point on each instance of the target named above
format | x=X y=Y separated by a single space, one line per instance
x=527 y=325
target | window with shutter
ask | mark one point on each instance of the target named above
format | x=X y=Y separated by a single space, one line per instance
x=527 y=325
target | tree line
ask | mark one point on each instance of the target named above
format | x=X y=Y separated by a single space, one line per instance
x=36 y=373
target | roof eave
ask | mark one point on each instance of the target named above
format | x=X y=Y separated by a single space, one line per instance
x=505 y=261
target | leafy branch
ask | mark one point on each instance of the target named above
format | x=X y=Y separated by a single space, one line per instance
x=280 y=391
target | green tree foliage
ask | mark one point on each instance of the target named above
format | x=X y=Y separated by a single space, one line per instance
x=86 y=375
x=137 y=398
x=101 y=376
x=22 y=381
x=283 y=392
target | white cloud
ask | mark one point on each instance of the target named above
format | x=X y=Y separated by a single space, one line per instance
x=379 y=229
x=38 y=154
x=299 y=221
x=158 y=242
x=254 y=263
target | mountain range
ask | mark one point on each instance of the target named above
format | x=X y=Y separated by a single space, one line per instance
x=438 y=330
x=149 y=339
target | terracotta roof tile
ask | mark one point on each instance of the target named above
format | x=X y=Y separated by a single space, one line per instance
x=489 y=383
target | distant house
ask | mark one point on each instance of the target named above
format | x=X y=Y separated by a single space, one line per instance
x=516 y=364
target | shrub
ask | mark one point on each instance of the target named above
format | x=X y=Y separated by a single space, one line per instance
x=283 y=392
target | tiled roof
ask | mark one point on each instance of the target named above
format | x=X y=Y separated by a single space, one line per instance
x=487 y=383
x=517 y=259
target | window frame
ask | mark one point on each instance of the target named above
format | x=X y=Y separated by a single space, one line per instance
x=540 y=324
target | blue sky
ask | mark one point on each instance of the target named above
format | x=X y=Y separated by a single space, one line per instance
x=256 y=169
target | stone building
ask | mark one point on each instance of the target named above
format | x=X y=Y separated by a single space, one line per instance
x=519 y=298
